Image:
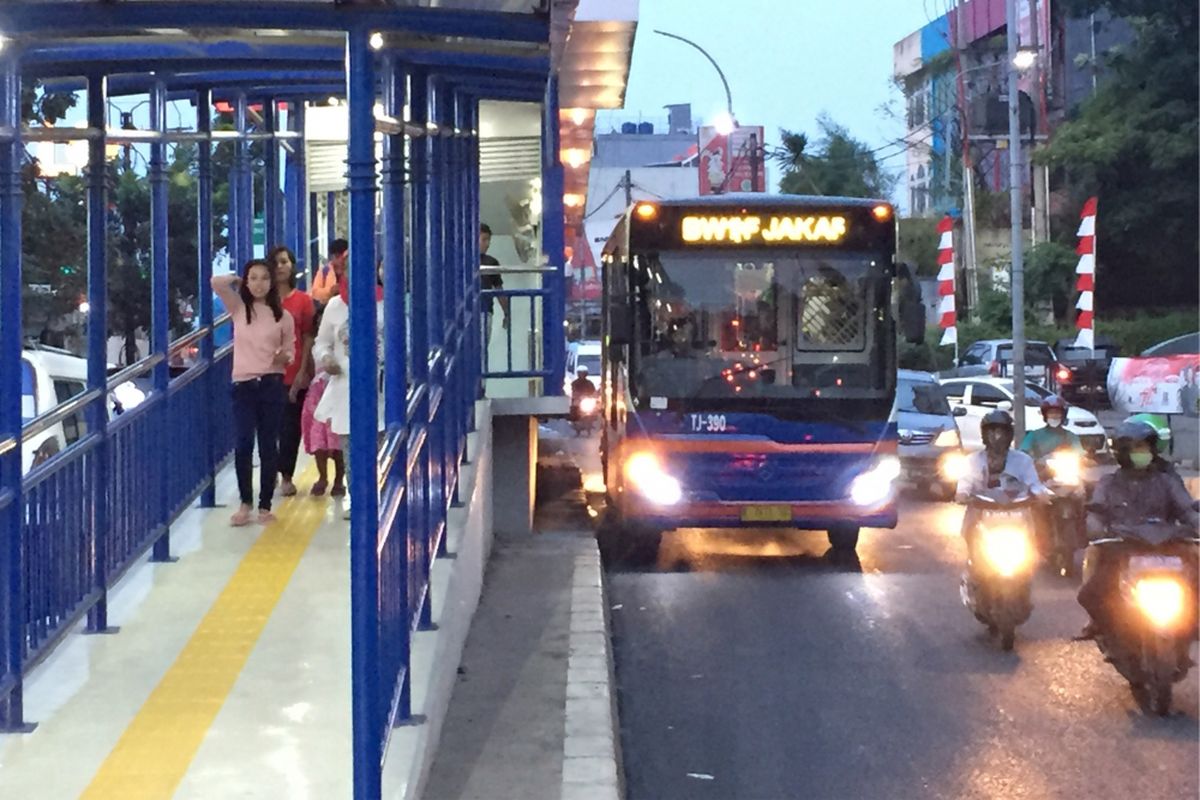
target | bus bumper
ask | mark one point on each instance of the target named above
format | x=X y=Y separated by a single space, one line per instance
x=803 y=515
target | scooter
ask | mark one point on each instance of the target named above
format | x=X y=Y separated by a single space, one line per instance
x=585 y=416
x=1155 y=626
x=1062 y=474
x=997 y=586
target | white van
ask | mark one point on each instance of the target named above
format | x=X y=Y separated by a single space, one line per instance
x=586 y=353
x=49 y=377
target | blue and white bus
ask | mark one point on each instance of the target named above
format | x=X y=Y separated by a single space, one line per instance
x=749 y=366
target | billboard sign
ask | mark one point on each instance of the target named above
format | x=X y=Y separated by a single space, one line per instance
x=733 y=162
x=1155 y=384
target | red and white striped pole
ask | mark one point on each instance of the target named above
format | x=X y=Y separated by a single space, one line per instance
x=1085 y=284
x=949 y=318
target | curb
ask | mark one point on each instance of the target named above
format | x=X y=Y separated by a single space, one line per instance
x=590 y=745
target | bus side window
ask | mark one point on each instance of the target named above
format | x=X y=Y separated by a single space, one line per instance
x=74 y=427
x=29 y=408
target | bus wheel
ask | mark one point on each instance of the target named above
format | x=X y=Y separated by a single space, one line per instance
x=844 y=539
x=629 y=546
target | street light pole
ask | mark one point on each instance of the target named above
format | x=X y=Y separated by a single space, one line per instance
x=711 y=60
x=1017 y=278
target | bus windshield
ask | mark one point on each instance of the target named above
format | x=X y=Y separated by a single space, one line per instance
x=760 y=324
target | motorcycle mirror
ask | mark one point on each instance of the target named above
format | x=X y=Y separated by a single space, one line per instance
x=959 y=411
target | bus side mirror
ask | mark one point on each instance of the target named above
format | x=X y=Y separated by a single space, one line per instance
x=620 y=324
x=912 y=309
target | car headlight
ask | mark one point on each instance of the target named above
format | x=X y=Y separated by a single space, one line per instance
x=1160 y=599
x=645 y=473
x=1007 y=550
x=874 y=486
x=952 y=466
x=947 y=438
x=1065 y=467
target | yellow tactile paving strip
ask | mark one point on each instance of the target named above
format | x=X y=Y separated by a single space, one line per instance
x=160 y=743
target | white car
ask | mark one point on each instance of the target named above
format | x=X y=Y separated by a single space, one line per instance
x=585 y=354
x=979 y=396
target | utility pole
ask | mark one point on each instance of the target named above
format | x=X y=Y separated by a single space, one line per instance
x=627 y=185
x=968 y=173
x=1017 y=279
x=1039 y=203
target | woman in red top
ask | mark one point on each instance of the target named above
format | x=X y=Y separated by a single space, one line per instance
x=297 y=376
x=264 y=343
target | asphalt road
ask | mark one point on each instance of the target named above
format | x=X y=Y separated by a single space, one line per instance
x=758 y=667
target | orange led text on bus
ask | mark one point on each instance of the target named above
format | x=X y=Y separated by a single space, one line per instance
x=771 y=230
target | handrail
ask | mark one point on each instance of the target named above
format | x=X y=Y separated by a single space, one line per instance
x=198 y=334
x=134 y=370
x=9 y=444
x=59 y=413
x=487 y=270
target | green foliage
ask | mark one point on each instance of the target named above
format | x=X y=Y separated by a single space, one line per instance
x=1135 y=145
x=1050 y=277
x=917 y=244
x=840 y=165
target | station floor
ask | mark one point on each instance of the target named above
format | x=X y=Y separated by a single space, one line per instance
x=233 y=682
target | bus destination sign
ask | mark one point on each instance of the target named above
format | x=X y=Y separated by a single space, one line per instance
x=775 y=229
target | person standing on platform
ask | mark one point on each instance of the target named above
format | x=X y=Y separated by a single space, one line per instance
x=296 y=378
x=329 y=277
x=489 y=282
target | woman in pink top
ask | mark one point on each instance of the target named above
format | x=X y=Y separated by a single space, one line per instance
x=264 y=343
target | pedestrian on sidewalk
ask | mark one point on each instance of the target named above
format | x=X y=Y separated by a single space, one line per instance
x=329 y=277
x=331 y=352
x=319 y=439
x=297 y=377
x=264 y=343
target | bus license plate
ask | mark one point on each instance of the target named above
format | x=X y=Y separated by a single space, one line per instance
x=779 y=513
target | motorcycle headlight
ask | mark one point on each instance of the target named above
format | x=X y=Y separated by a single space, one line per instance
x=645 y=473
x=1007 y=550
x=1161 y=600
x=587 y=405
x=874 y=486
x=1065 y=468
x=952 y=466
x=947 y=439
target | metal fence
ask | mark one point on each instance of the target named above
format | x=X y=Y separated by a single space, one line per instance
x=137 y=474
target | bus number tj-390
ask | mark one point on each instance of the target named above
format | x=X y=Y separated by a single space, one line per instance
x=708 y=423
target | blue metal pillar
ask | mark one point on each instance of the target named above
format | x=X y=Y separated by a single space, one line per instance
x=160 y=299
x=314 y=240
x=330 y=220
x=364 y=415
x=296 y=193
x=470 y=240
x=474 y=219
x=97 y=353
x=395 y=378
x=12 y=589
x=204 y=254
x=553 y=349
x=271 y=205
x=244 y=170
x=437 y=318
x=419 y=326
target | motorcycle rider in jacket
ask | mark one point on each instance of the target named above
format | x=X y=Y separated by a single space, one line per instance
x=1141 y=489
x=1054 y=437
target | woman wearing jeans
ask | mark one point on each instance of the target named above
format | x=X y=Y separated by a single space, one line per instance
x=296 y=377
x=264 y=343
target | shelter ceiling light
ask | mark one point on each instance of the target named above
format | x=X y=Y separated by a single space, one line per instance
x=572 y=200
x=578 y=115
x=575 y=157
x=376 y=41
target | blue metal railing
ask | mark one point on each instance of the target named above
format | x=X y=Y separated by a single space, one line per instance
x=153 y=469
x=534 y=359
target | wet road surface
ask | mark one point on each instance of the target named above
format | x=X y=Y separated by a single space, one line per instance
x=762 y=667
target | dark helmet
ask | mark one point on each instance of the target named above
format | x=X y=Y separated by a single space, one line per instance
x=997 y=419
x=1054 y=402
x=1130 y=433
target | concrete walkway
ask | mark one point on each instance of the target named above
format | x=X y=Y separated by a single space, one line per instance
x=531 y=716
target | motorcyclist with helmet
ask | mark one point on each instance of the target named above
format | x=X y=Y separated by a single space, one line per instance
x=997 y=465
x=581 y=387
x=1139 y=490
x=1053 y=437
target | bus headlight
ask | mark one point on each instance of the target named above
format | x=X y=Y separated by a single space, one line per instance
x=875 y=485
x=645 y=473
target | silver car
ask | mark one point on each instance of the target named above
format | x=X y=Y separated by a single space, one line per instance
x=931 y=456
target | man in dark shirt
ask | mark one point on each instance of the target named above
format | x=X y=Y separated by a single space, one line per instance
x=489 y=282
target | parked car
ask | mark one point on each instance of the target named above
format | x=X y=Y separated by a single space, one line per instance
x=50 y=377
x=992 y=357
x=1080 y=376
x=931 y=456
x=587 y=354
x=982 y=395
